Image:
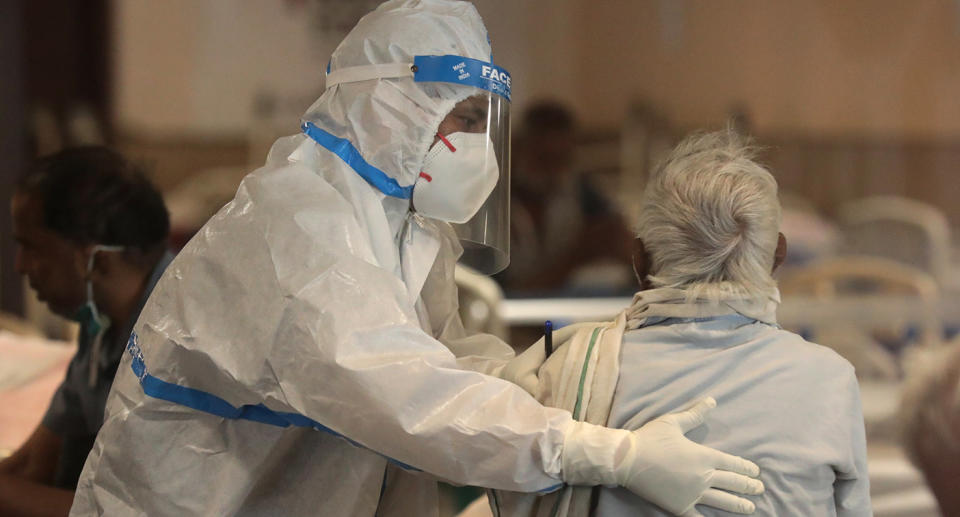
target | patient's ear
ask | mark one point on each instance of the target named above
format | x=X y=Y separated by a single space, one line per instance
x=781 y=253
x=641 y=263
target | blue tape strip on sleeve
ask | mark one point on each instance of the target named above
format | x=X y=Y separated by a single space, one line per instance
x=351 y=156
x=463 y=70
x=550 y=489
x=214 y=405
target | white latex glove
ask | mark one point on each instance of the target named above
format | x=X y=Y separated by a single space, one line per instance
x=658 y=463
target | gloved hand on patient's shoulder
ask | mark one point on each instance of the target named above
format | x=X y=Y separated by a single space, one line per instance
x=658 y=463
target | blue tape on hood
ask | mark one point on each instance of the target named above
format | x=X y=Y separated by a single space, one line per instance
x=351 y=156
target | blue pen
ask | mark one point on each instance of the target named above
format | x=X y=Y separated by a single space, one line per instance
x=548 y=337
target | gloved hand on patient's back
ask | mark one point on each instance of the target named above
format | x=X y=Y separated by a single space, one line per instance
x=658 y=463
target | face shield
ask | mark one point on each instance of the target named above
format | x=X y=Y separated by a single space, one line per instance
x=485 y=236
x=482 y=108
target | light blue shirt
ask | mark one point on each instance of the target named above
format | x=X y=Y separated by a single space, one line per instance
x=788 y=405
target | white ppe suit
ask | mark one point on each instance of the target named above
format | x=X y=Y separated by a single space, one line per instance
x=303 y=354
x=293 y=298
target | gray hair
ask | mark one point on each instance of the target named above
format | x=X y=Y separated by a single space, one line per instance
x=710 y=218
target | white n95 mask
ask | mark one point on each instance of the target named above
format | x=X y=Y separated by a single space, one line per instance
x=458 y=175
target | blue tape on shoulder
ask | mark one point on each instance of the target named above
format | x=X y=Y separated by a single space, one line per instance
x=351 y=156
x=214 y=405
x=463 y=70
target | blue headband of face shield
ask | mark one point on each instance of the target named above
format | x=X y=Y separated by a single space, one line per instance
x=446 y=69
x=462 y=70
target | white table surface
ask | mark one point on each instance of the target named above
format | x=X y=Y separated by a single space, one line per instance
x=23 y=358
x=30 y=370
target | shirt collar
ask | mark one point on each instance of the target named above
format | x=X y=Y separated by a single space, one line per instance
x=658 y=305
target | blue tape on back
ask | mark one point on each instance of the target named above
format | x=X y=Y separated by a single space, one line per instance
x=214 y=405
x=351 y=156
x=463 y=70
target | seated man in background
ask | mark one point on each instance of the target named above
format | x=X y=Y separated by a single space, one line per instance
x=560 y=222
x=92 y=235
x=704 y=324
x=930 y=421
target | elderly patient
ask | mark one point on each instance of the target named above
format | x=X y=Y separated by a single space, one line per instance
x=705 y=325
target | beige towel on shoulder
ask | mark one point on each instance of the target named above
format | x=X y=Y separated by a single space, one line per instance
x=581 y=377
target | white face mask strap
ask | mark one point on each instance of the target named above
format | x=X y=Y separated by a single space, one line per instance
x=100 y=247
x=93 y=254
x=352 y=74
x=93 y=371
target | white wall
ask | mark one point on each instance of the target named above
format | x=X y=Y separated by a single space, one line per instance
x=883 y=67
x=538 y=42
x=194 y=67
x=853 y=67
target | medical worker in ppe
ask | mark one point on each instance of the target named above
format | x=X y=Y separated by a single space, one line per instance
x=303 y=354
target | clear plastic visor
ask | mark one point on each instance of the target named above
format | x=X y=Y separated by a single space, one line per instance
x=486 y=236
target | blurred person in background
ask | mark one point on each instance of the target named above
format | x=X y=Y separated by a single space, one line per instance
x=560 y=221
x=703 y=324
x=92 y=235
x=930 y=421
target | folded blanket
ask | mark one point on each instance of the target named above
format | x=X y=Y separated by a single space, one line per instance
x=581 y=377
